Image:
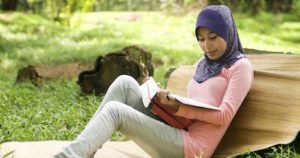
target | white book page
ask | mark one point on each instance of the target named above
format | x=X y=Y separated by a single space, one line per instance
x=192 y=102
x=149 y=89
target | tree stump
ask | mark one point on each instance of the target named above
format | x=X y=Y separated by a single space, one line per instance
x=133 y=60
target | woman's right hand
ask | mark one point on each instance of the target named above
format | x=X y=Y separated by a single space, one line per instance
x=165 y=99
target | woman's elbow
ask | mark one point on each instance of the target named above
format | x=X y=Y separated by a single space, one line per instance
x=224 y=118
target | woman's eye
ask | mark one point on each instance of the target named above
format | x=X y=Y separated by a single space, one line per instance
x=213 y=37
x=201 y=39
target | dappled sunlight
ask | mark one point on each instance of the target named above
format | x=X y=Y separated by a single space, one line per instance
x=290 y=26
x=265 y=42
x=6 y=63
x=88 y=35
x=289 y=32
x=8 y=35
x=30 y=54
x=76 y=44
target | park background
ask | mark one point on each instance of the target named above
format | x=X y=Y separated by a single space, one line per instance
x=43 y=32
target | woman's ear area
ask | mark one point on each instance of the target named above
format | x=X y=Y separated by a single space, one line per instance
x=197 y=33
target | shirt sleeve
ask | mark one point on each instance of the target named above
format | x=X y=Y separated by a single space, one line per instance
x=240 y=81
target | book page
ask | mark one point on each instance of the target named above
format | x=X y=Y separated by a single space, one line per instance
x=192 y=102
x=149 y=89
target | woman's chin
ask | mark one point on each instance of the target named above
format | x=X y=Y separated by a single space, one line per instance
x=212 y=57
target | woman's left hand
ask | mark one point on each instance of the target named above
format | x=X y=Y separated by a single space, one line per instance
x=165 y=99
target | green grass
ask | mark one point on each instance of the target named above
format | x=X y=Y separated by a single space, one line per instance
x=55 y=109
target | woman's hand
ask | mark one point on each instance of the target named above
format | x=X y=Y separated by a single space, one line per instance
x=165 y=99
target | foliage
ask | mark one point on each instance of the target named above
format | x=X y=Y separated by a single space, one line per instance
x=295 y=14
x=53 y=8
x=255 y=6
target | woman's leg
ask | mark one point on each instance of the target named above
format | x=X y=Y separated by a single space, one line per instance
x=153 y=136
x=125 y=89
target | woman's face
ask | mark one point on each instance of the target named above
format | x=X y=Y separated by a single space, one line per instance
x=212 y=45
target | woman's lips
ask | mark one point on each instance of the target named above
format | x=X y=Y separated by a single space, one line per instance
x=211 y=53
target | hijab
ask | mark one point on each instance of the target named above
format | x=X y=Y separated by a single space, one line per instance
x=219 y=19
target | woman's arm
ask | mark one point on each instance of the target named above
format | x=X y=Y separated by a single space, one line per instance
x=240 y=81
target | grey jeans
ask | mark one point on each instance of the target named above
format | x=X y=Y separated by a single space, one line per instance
x=122 y=109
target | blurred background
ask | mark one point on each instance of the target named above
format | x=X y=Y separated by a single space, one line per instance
x=47 y=32
x=53 y=8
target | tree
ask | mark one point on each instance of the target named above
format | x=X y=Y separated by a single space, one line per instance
x=9 y=5
x=279 y=5
x=180 y=2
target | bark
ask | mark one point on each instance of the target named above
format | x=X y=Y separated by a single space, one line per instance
x=38 y=74
x=133 y=60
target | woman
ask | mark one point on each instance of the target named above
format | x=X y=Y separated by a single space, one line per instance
x=223 y=78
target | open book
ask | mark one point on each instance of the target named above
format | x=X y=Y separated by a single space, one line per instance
x=149 y=90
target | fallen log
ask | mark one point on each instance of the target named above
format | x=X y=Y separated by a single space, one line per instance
x=95 y=78
x=37 y=74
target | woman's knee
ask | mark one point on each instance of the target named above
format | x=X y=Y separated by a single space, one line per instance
x=114 y=106
x=126 y=80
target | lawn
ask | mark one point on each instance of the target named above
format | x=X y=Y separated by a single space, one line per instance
x=55 y=109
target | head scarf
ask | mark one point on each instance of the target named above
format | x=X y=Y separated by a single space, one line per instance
x=218 y=18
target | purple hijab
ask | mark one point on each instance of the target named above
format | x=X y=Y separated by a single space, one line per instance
x=218 y=18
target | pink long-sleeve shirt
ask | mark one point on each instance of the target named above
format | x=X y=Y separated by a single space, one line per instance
x=226 y=90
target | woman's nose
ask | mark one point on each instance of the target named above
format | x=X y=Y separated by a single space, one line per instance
x=207 y=45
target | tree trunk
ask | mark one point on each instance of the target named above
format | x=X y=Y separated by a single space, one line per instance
x=9 y=5
x=107 y=5
x=39 y=74
x=256 y=6
x=214 y=2
x=180 y=2
x=129 y=5
x=26 y=5
x=234 y=5
x=277 y=6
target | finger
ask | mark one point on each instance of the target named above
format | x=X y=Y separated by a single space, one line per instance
x=163 y=99
x=168 y=97
x=160 y=95
x=163 y=96
x=158 y=84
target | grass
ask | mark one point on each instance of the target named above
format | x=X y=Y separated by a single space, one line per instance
x=55 y=109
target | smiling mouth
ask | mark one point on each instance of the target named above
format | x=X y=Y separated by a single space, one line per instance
x=211 y=53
